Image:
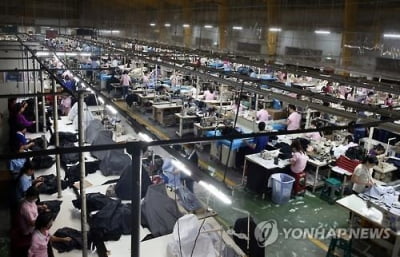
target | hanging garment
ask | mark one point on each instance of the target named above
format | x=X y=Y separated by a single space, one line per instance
x=190 y=239
x=104 y=137
x=114 y=163
x=49 y=185
x=188 y=200
x=123 y=188
x=75 y=243
x=159 y=211
x=94 y=127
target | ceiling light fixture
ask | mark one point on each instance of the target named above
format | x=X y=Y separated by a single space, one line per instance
x=391 y=35
x=237 y=27
x=322 y=32
x=275 y=29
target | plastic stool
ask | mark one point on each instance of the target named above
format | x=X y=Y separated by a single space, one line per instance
x=299 y=187
x=341 y=241
x=332 y=185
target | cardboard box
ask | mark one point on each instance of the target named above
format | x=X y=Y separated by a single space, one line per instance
x=277 y=114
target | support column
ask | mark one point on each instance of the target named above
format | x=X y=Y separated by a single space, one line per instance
x=36 y=97
x=187 y=18
x=272 y=21
x=222 y=24
x=84 y=226
x=135 y=150
x=43 y=100
x=57 y=139
x=350 y=15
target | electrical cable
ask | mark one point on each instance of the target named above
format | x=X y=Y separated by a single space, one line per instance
x=197 y=236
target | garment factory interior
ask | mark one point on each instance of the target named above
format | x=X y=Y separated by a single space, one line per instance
x=206 y=128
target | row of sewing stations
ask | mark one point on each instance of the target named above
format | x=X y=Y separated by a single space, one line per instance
x=320 y=157
x=323 y=153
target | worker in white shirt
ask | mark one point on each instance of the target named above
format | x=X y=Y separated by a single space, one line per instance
x=262 y=115
x=362 y=175
x=294 y=119
x=209 y=94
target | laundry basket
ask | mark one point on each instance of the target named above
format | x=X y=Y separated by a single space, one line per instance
x=281 y=187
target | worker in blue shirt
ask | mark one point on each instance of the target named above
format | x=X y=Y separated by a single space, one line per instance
x=259 y=143
x=255 y=146
x=25 y=180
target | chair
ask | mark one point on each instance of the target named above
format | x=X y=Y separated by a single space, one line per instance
x=331 y=186
x=345 y=167
x=299 y=186
x=341 y=241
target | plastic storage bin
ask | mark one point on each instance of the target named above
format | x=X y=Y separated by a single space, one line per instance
x=281 y=187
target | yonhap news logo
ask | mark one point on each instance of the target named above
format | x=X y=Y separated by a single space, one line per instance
x=267 y=233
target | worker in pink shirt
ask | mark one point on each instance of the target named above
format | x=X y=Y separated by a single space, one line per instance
x=294 y=119
x=299 y=158
x=262 y=115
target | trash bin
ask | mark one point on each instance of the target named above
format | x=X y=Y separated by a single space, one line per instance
x=281 y=187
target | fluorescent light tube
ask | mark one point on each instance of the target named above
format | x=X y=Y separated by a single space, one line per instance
x=145 y=137
x=237 y=27
x=186 y=25
x=217 y=193
x=112 y=109
x=180 y=166
x=42 y=53
x=275 y=29
x=152 y=24
x=208 y=26
x=167 y=25
x=391 y=35
x=322 y=32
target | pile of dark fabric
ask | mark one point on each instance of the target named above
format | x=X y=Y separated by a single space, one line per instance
x=73 y=173
x=49 y=185
x=94 y=202
x=53 y=206
x=356 y=153
x=75 y=243
x=112 y=220
x=64 y=137
x=159 y=211
x=42 y=162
